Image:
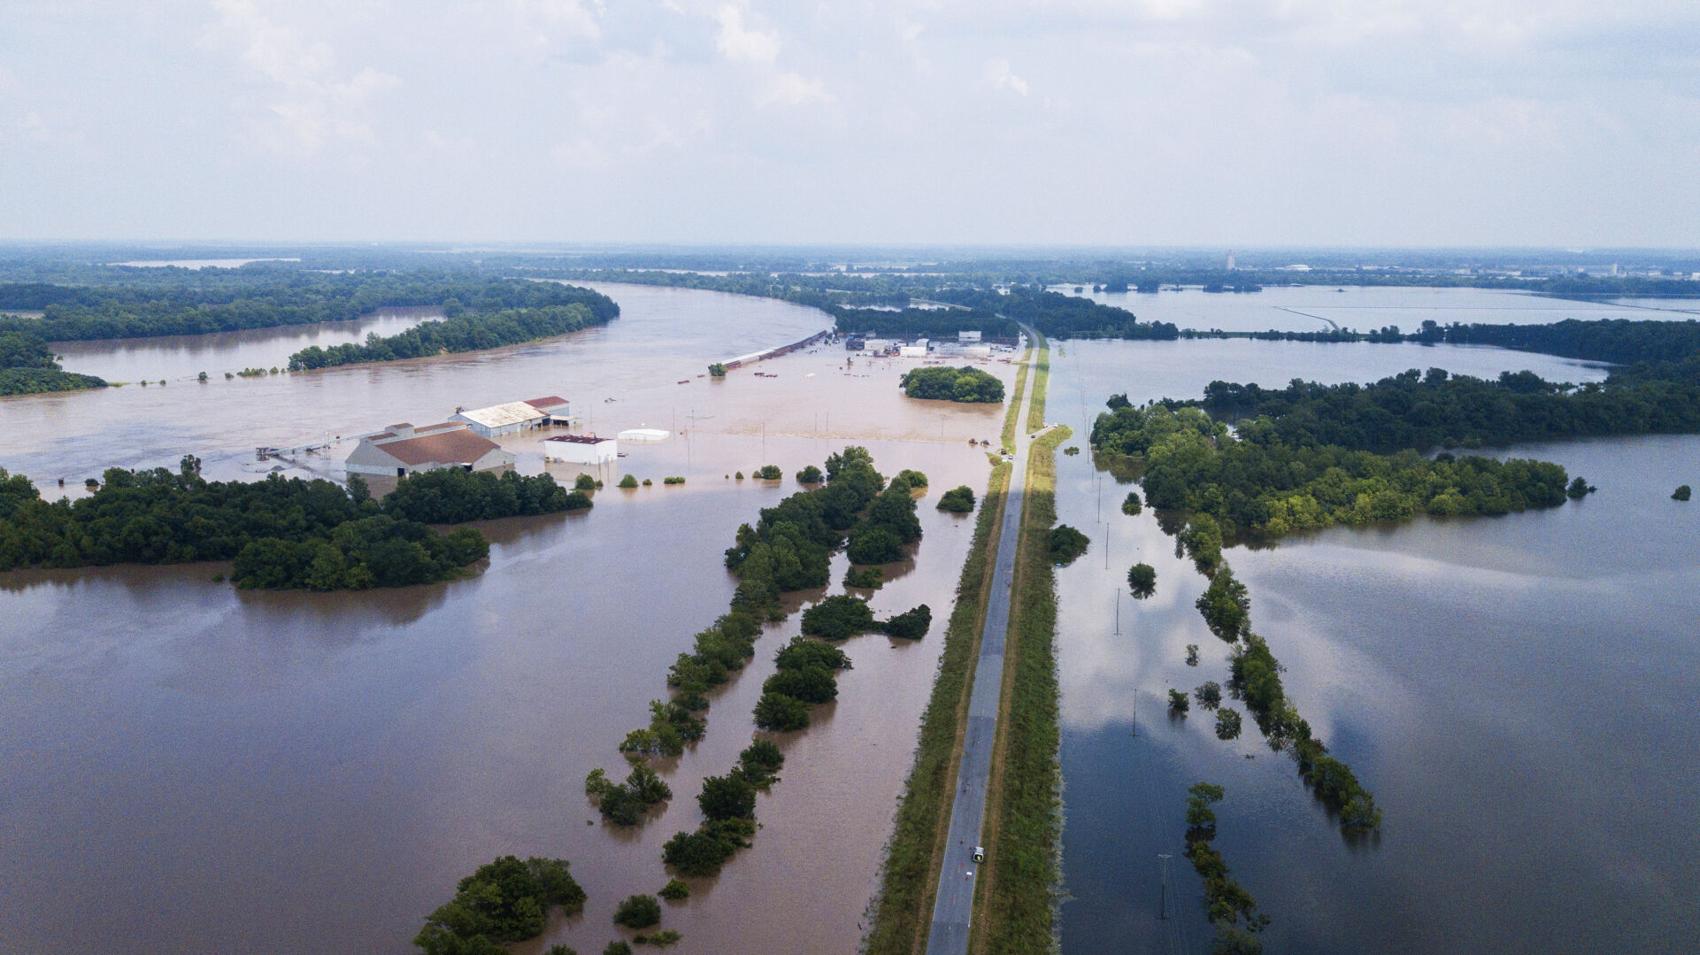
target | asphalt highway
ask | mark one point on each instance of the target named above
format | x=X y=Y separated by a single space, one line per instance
x=953 y=906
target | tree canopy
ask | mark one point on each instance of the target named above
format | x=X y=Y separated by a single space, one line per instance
x=503 y=901
x=966 y=384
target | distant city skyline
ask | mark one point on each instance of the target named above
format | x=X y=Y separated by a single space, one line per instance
x=919 y=122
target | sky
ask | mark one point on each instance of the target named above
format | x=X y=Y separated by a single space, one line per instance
x=985 y=122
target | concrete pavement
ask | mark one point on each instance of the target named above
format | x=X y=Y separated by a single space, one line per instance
x=953 y=906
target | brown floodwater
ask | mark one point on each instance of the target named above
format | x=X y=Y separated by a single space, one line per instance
x=192 y=768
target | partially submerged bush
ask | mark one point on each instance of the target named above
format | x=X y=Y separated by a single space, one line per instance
x=503 y=901
x=1142 y=580
x=1066 y=544
x=1227 y=723
x=760 y=763
x=638 y=911
x=909 y=625
x=915 y=479
x=865 y=578
x=957 y=500
x=838 y=617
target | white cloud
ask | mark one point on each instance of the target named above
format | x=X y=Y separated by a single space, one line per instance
x=311 y=104
x=793 y=89
x=1001 y=77
x=740 y=42
x=1501 y=120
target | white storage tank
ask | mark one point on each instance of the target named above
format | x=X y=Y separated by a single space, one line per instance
x=644 y=434
x=587 y=449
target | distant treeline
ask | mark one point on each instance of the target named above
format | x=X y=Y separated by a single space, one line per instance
x=1419 y=411
x=264 y=299
x=281 y=533
x=1619 y=340
x=28 y=366
x=1218 y=279
x=934 y=323
x=849 y=299
x=1056 y=315
x=467 y=331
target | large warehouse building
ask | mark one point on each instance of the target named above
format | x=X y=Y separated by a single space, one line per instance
x=515 y=416
x=402 y=449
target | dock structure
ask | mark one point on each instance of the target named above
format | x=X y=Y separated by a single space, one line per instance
x=756 y=356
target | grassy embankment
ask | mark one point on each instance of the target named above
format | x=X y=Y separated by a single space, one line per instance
x=902 y=910
x=1015 y=900
x=1012 y=416
x=1041 y=379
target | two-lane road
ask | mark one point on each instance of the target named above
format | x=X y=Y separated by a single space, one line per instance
x=954 y=904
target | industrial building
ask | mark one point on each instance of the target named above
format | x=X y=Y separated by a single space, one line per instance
x=402 y=449
x=586 y=449
x=515 y=416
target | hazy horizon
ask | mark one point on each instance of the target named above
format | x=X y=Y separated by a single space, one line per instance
x=923 y=123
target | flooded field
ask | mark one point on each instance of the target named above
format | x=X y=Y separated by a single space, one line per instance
x=192 y=768
x=1512 y=690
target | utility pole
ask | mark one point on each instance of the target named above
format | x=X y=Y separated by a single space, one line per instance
x=1118 y=613
x=1163 y=900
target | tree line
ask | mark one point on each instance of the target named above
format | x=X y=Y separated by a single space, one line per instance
x=1056 y=315
x=281 y=533
x=1423 y=411
x=269 y=298
x=938 y=323
x=1231 y=909
x=28 y=366
x=467 y=331
x=1253 y=482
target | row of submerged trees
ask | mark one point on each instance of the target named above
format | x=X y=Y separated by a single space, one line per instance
x=788 y=549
